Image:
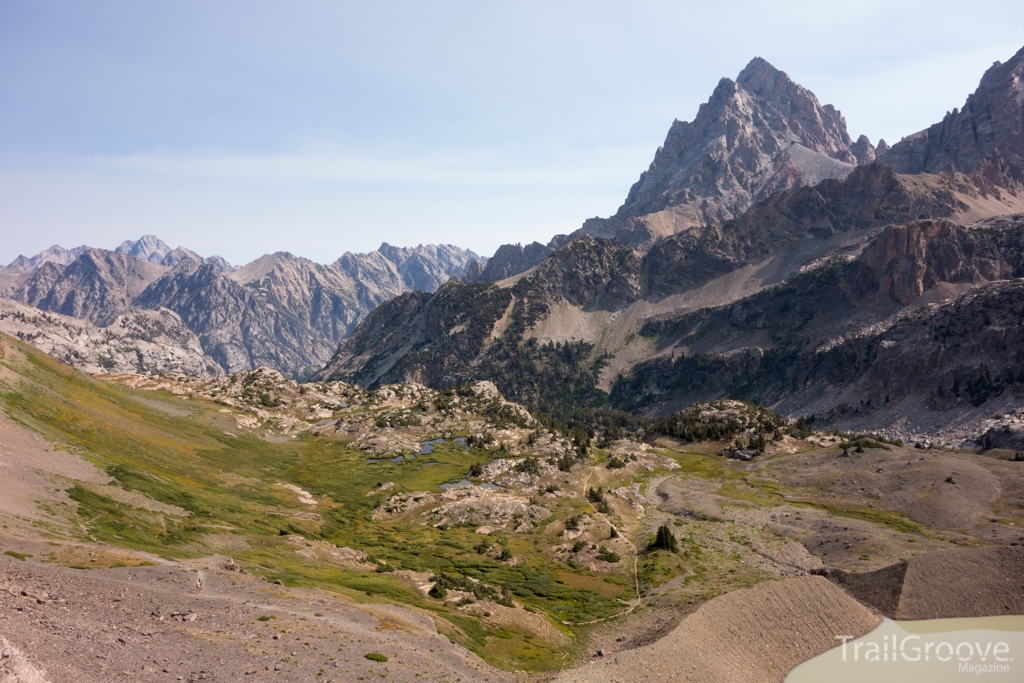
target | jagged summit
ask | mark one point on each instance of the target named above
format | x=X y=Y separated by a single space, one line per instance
x=148 y=247
x=756 y=135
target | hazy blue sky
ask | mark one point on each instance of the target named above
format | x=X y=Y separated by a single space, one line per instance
x=240 y=128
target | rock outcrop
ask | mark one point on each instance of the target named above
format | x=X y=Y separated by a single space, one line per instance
x=863 y=150
x=97 y=286
x=511 y=259
x=137 y=341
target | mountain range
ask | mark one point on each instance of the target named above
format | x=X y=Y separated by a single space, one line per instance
x=763 y=255
x=280 y=311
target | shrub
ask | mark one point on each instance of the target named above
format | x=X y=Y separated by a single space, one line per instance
x=529 y=466
x=597 y=497
x=664 y=540
x=376 y=657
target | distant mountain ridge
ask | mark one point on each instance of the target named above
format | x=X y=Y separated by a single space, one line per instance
x=55 y=254
x=280 y=311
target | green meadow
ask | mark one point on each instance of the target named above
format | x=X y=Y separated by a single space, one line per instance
x=180 y=452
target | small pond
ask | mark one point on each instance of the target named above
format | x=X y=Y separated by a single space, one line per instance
x=466 y=482
x=428 y=446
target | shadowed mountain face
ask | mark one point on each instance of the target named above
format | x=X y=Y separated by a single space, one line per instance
x=280 y=311
x=989 y=130
x=834 y=340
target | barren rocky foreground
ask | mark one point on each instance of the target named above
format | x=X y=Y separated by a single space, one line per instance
x=151 y=623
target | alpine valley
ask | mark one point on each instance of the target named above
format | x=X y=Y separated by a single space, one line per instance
x=777 y=396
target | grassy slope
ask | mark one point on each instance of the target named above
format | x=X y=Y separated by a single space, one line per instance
x=230 y=487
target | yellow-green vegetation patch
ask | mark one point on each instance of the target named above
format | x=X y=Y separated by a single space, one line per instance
x=742 y=491
x=705 y=465
x=504 y=646
x=608 y=585
x=93 y=557
x=894 y=520
x=656 y=567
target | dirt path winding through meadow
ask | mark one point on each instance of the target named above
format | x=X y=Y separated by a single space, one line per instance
x=635 y=602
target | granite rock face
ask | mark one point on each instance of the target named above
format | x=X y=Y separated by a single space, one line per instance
x=148 y=248
x=280 y=311
x=863 y=150
x=512 y=259
x=988 y=129
x=97 y=286
x=759 y=134
x=137 y=341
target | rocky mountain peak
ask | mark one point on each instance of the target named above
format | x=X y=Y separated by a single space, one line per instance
x=148 y=247
x=863 y=150
x=759 y=134
x=764 y=80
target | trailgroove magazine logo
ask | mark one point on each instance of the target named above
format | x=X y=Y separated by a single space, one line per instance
x=971 y=656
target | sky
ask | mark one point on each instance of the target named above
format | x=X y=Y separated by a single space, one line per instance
x=319 y=127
